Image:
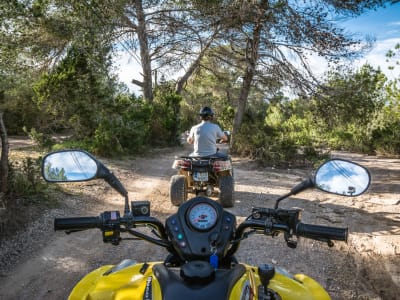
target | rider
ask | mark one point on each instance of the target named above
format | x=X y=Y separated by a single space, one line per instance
x=204 y=135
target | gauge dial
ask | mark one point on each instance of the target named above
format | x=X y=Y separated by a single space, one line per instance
x=202 y=216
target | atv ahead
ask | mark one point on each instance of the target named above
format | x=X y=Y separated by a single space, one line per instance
x=200 y=175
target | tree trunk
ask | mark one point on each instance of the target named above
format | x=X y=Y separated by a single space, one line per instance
x=4 y=156
x=252 y=59
x=182 y=81
x=147 y=84
x=242 y=102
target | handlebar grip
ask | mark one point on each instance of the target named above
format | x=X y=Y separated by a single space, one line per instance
x=320 y=232
x=78 y=223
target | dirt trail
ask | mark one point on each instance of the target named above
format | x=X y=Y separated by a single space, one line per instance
x=46 y=264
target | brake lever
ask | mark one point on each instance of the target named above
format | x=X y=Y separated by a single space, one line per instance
x=290 y=242
x=268 y=226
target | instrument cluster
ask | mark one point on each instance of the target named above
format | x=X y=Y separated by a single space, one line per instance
x=202 y=216
x=200 y=227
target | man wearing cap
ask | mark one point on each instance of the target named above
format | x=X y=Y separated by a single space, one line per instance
x=204 y=136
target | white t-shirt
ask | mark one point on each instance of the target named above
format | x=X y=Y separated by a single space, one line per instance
x=205 y=136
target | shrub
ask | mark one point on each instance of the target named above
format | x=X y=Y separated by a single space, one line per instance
x=25 y=181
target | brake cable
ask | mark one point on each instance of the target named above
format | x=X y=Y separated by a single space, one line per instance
x=143 y=236
x=244 y=236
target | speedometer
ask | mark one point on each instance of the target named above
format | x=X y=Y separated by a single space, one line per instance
x=202 y=216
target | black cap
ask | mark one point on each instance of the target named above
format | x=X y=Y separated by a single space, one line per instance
x=206 y=111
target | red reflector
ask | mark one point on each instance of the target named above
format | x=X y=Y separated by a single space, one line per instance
x=222 y=165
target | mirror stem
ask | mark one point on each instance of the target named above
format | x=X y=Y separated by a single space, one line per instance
x=127 y=209
x=308 y=183
x=305 y=184
x=116 y=184
x=281 y=198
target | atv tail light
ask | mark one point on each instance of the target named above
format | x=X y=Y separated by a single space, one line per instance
x=177 y=164
x=181 y=164
x=222 y=165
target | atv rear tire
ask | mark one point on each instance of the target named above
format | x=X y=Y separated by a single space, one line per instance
x=178 y=190
x=226 y=188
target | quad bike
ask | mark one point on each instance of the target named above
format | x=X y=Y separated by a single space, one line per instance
x=200 y=175
x=201 y=238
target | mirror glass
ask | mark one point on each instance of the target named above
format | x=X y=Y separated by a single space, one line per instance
x=71 y=165
x=342 y=177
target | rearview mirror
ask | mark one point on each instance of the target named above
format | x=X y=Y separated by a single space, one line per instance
x=342 y=177
x=69 y=166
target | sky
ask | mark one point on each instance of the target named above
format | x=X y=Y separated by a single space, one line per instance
x=382 y=24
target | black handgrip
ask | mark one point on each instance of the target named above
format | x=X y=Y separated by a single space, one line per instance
x=78 y=223
x=322 y=233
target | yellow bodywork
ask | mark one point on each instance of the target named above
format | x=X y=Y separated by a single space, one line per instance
x=130 y=284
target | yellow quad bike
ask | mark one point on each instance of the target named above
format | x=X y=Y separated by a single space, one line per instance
x=201 y=238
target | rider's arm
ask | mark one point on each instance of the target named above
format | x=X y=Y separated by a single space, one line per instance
x=224 y=138
x=190 y=138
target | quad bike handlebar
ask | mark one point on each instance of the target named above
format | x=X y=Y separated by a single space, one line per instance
x=201 y=226
x=265 y=221
x=321 y=232
x=107 y=220
x=76 y=223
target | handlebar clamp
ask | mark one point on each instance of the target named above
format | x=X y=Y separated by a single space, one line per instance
x=288 y=217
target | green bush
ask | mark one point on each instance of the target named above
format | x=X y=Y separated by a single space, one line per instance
x=165 y=118
x=283 y=136
x=41 y=139
x=25 y=181
x=124 y=129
